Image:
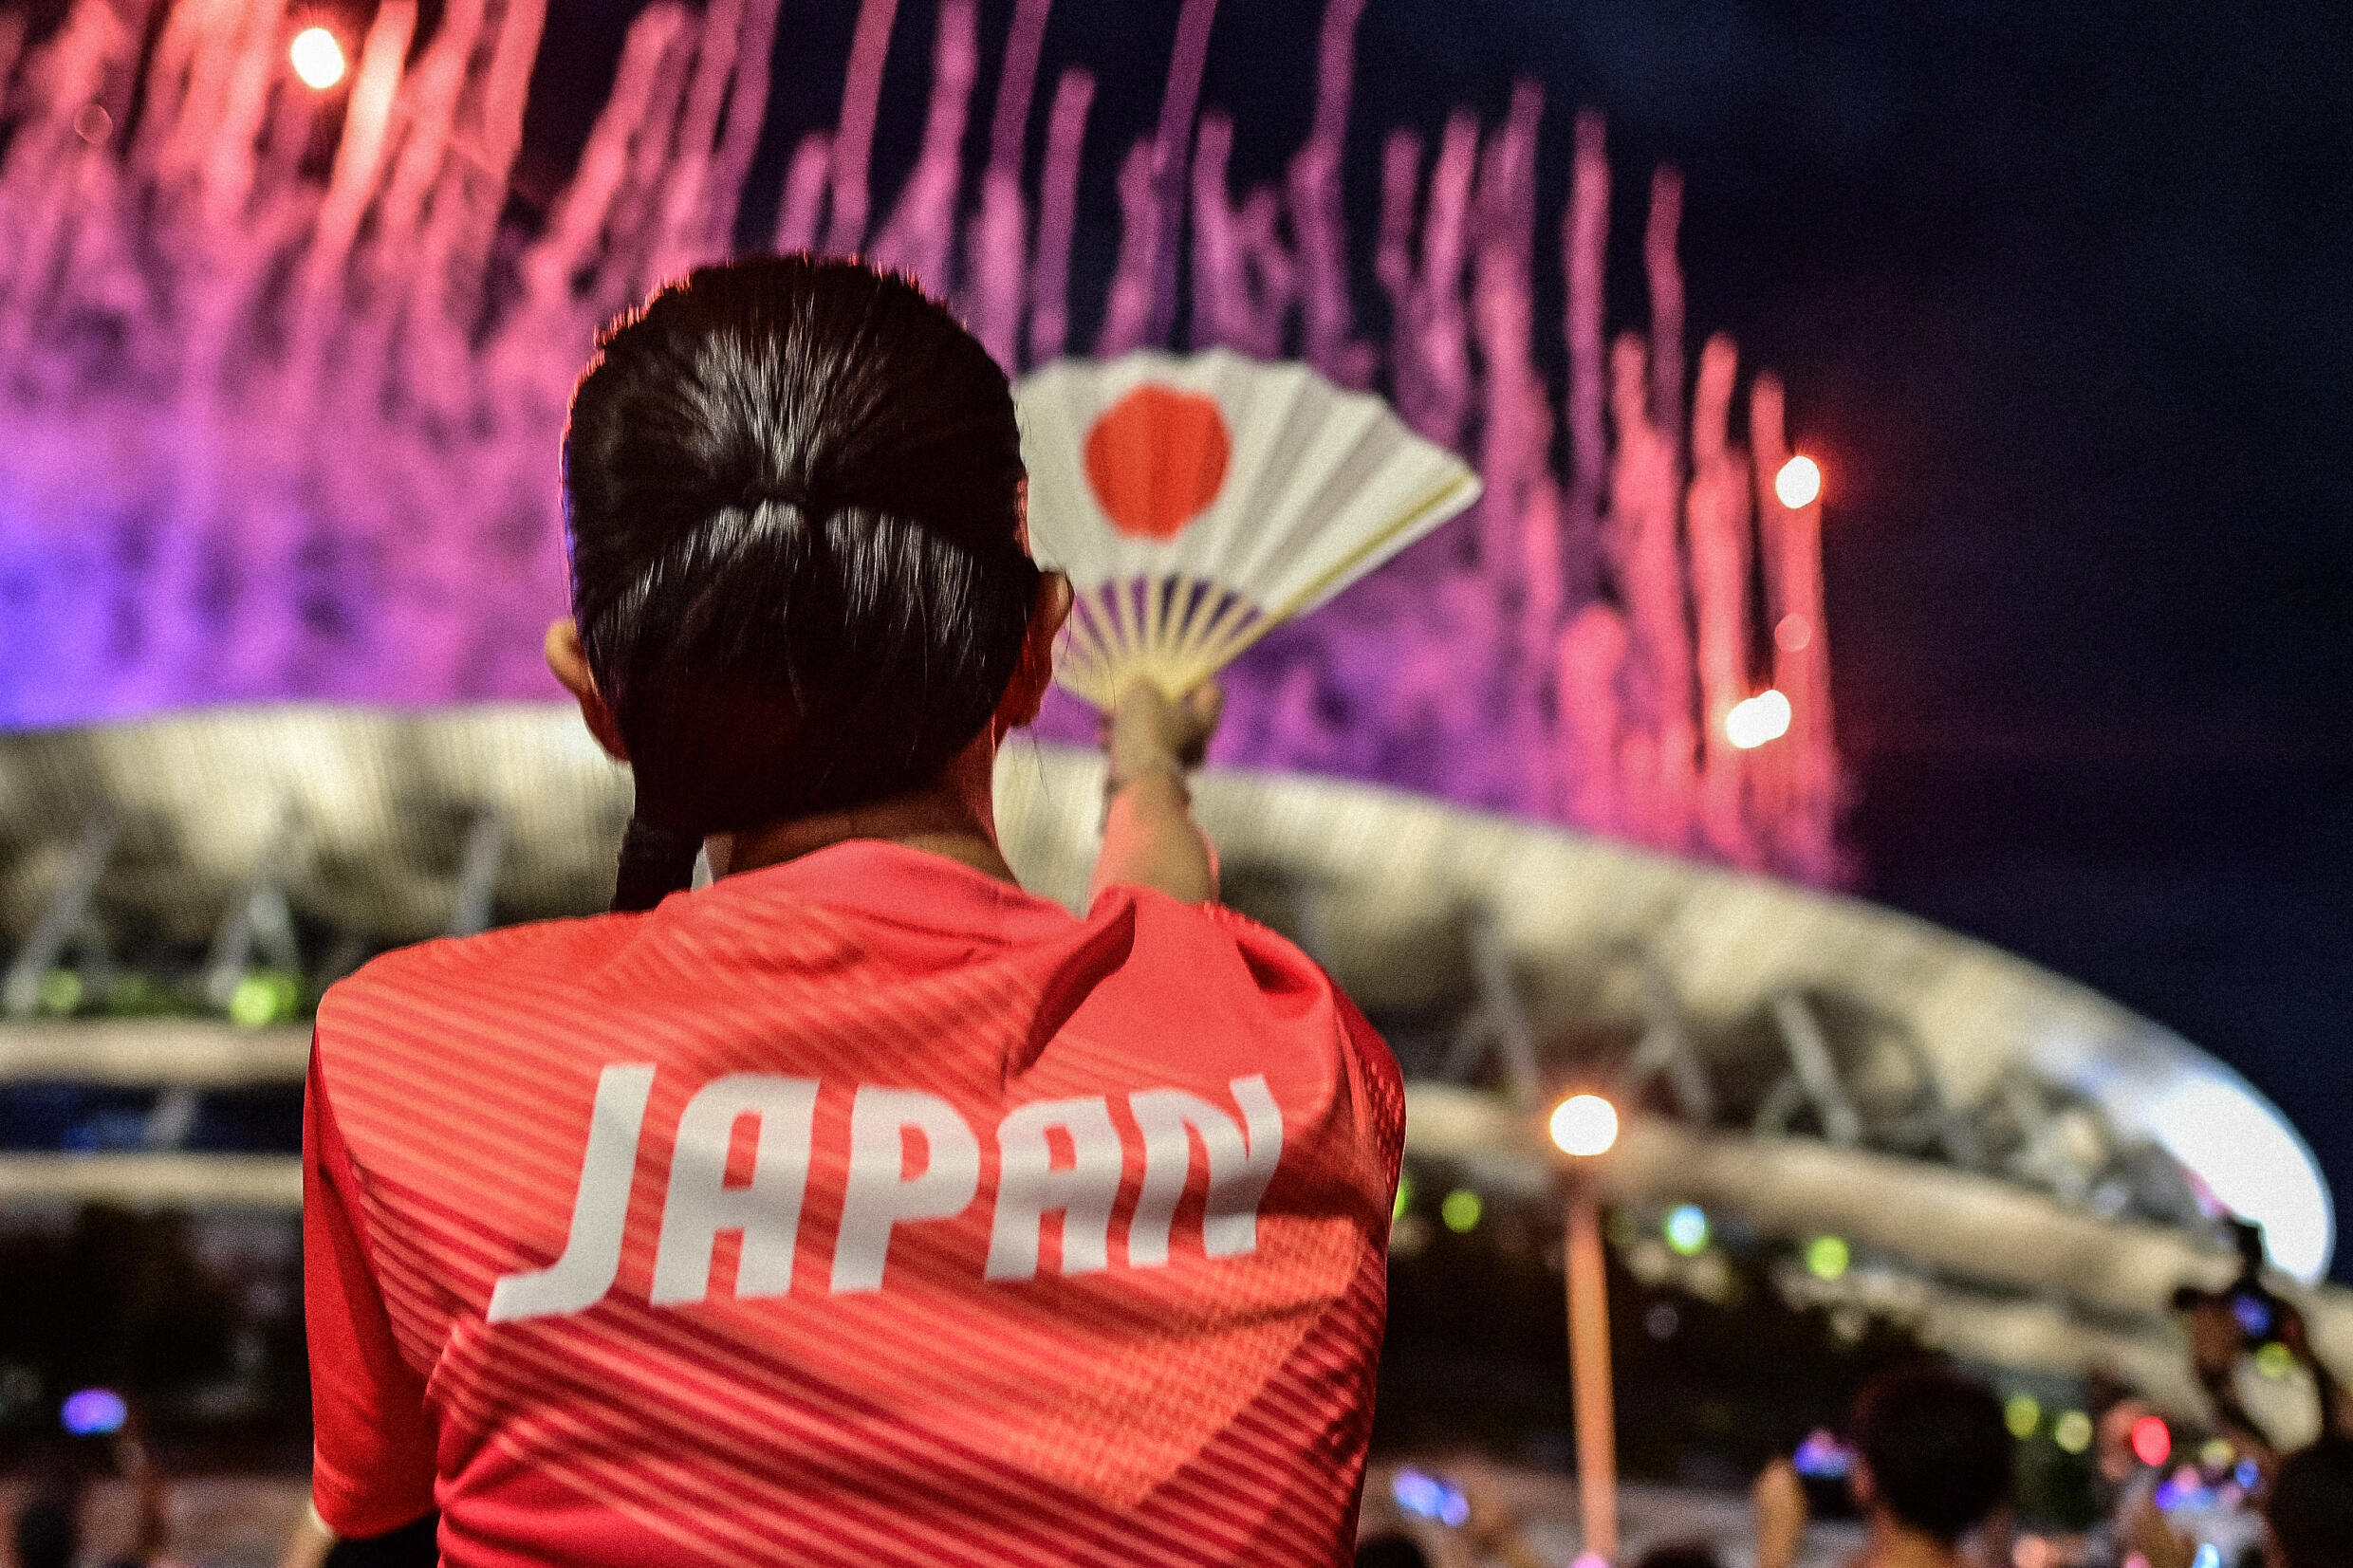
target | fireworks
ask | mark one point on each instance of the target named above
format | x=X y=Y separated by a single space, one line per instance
x=278 y=430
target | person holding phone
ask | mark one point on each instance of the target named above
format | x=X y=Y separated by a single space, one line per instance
x=1930 y=1465
x=48 y=1529
x=1448 y=1518
x=860 y=1206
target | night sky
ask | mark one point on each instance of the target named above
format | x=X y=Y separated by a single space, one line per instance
x=2060 y=295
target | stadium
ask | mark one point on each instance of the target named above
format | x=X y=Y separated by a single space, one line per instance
x=1315 y=376
x=1893 y=1130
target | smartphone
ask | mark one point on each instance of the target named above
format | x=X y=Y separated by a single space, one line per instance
x=1822 y=1457
x=93 y=1412
x=1822 y=1464
x=2257 y=1313
x=1426 y=1497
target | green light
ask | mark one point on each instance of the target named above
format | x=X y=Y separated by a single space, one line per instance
x=1404 y=1197
x=1687 y=1229
x=2275 y=1360
x=2217 y=1455
x=1461 y=1210
x=2023 y=1415
x=1827 y=1257
x=263 y=998
x=2072 y=1431
x=61 y=991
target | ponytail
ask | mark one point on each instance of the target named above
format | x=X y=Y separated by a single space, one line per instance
x=654 y=862
x=792 y=496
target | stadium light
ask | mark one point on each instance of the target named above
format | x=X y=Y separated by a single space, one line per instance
x=318 y=58
x=1584 y=1126
x=1799 y=483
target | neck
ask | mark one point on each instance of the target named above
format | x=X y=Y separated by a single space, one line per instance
x=952 y=816
x=1896 y=1544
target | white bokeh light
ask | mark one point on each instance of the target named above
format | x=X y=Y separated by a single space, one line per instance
x=1585 y=1124
x=2253 y=1164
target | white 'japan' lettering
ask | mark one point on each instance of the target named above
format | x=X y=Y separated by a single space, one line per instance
x=1239 y=1168
x=766 y=1208
x=880 y=1193
x=1030 y=1188
x=580 y=1277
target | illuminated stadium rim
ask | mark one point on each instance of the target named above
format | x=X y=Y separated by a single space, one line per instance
x=323 y=788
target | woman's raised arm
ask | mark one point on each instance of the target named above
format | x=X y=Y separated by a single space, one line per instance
x=1149 y=839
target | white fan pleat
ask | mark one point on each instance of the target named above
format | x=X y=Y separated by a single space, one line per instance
x=1320 y=486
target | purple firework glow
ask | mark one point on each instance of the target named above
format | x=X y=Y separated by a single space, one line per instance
x=279 y=436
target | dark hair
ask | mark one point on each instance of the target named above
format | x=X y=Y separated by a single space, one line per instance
x=1681 y=1554
x=1391 y=1549
x=1939 y=1452
x=2310 y=1509
x=792 y=495
x=47 y=1532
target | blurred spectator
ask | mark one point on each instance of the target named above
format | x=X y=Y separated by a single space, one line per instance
x=2308 y=1495
x=47 y=1532
x=2310 y=1510
x=1488 y=1532
x=49 y=1528
x=1391 y=1549
x=1933 y=1462
x=1778 y=1501
x=1681 y=1553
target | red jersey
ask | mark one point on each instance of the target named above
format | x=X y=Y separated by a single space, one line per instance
x=858 y=1210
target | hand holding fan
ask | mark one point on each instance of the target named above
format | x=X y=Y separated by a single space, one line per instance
x=1196 y=501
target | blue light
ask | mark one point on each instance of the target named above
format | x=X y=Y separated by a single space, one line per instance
x=93 y=1412
x=2248 y=1475
x=1430 y=1498
x=2209 y=1555
x=1687 y=1228
x=1822 y=1457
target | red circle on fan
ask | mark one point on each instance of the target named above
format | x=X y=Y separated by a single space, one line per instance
x=1157 y=458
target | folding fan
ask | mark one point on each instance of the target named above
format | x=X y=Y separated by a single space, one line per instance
x=1198 y=501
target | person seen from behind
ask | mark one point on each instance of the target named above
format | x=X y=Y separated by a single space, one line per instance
x=2307 y=1493
x=860 y=1206
x=2309 y=1515
x=1933 y=1464
x=48 y=1530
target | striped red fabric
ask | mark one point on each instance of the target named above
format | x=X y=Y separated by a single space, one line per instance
x=860 y=1210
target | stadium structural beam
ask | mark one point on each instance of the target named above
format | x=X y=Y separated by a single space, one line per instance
x=477 y=874
x=1499 y=1019
x=1665 y=1047
x=1813 y=1074
x=62 y=919
x=259 y=917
